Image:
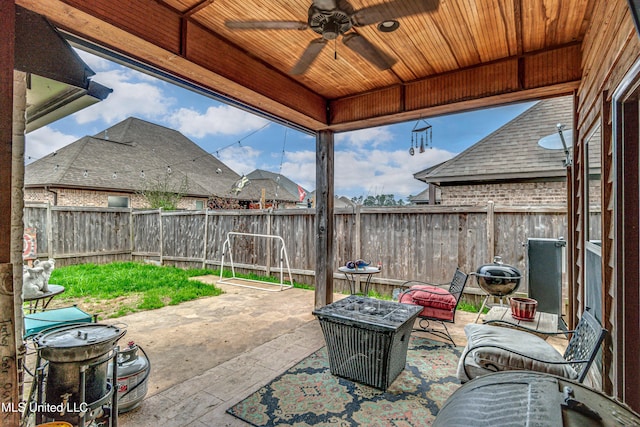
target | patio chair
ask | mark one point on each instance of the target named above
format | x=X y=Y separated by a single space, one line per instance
x=439 y=304
x=495 y=348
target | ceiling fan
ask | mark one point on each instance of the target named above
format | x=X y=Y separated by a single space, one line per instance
x=332 y=18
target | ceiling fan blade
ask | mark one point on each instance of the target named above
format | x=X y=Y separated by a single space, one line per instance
x=364 y=48
x=309 y=55
x=325 y=4
x=393 y=10
x=267 y=25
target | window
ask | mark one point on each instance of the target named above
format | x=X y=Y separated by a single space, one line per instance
x=118 y=202
x=199 y=205
x=593 y=199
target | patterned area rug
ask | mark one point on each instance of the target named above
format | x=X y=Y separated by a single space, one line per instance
x=308 y=395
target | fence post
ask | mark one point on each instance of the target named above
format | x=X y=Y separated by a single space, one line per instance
x=49 y=231
x=491 y=232
x=161 y=235
x=358 y=242
x=206 y=237
x=131 y=231
x=268 y=266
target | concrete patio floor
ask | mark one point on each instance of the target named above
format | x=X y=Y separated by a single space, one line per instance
x=207 y=355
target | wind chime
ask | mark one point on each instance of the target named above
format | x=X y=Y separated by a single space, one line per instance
x=421 y=133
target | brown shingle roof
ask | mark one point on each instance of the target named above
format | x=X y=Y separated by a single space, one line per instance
x=115 y=158
x=512 y=151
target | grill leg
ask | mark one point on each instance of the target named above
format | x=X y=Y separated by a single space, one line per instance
x=482 y=308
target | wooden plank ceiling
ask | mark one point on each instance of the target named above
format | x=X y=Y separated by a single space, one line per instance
x=456 y=55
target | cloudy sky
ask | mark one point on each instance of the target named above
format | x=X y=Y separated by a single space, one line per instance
x=368 y=162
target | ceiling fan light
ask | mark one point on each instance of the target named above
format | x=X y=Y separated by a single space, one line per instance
x=388 y=26
x=331 y=30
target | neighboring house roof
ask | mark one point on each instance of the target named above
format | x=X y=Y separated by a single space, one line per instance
x=511 y=152
x=422 y=197
x=133 y=155
x=277 y=185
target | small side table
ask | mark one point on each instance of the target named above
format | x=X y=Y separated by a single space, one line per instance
x=42 y=301
x=543 y=324
x=352 y=273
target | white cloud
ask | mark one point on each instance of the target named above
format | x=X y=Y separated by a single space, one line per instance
x=96 y=63
x=366 y=172
x=300 y=167
x=218 y=120
x=241 y=159
x=130 y=97
x=365 y=137
x=383 y=172
x=43 y=141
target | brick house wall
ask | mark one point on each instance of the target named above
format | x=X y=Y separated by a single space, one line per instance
x=76 y=197
x=506 y=194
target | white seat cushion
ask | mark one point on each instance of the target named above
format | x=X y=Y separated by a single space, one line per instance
x=484 y=359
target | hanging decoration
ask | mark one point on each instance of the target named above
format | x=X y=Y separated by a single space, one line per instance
x=420 y=134
x=239 y=185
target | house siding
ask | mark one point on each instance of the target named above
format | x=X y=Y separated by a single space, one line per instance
x=610 y=50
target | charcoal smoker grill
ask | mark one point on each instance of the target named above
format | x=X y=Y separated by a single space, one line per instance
x=497 y=279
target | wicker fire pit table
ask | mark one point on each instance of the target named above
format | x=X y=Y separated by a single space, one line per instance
x=367 y=338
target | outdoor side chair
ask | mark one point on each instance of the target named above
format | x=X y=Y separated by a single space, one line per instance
x=439 y=304
x=495 y=348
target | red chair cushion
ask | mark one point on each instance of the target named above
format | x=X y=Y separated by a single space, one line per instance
x=429 y=296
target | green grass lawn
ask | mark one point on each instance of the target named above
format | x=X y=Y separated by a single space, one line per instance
x=119 y=288
x=138 y=286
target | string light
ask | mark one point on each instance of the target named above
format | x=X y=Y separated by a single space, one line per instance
x=142 y=174
x=115 y=175
x=85 y=173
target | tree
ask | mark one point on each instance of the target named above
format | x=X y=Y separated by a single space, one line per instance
x=165 y=194
x=378 y=200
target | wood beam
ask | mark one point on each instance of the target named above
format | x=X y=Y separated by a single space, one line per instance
x=542 y=74
x=227 y=61
x=324 y=218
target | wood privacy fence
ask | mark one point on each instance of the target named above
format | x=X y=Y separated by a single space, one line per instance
x=423 y=243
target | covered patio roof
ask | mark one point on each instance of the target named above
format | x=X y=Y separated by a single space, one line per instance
x=447 y=56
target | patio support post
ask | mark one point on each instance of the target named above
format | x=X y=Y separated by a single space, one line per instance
x=17 y=209
x=8 y=341
x=324 y=218
x=7 y=25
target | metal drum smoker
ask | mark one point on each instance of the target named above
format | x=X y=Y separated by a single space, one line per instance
x=72 y=384
x=497 y=279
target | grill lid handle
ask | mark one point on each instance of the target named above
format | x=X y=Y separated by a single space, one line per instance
x=575 y=405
